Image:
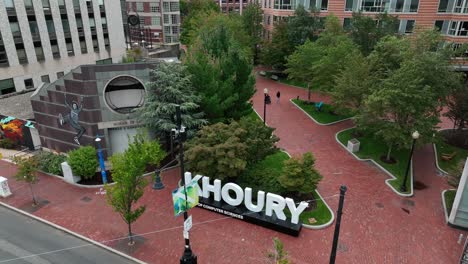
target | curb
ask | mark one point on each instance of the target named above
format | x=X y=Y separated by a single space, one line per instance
x=387 y=181
x=437 y=160
x=73 y=233
x=260 y=116
x=322 y=226
x=443 y=204
x=317 y=122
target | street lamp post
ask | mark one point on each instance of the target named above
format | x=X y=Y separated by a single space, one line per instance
x=188 y=257
x=101 y=160
x=266 y=100
x=415 y=136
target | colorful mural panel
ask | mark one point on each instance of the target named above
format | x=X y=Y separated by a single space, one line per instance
x=16 y=130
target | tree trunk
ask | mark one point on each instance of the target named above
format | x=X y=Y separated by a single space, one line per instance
x=130 y=235
x=308 y=92
x=389 y=151
x=32 y=193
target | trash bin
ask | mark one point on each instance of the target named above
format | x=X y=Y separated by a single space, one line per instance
x=353 y=145
x=4 y=189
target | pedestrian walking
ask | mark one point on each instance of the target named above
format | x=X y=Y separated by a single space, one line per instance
x=278 y=95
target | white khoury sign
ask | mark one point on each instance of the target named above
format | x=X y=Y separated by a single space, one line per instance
x=273 y=202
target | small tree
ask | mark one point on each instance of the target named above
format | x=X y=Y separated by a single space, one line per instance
x=83 y=161
x=299 y=175
x=275 y=52
x=127 y=172
x=279 y=255
x=252 y=23
x=26 y=172
x=258 y=138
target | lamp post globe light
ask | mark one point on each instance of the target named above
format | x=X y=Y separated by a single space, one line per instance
x=101 y=160
x=415 y=136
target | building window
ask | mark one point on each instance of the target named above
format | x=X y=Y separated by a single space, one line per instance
x=175 y=19
x=174 y=6
x=39 y=52
x=156 y=21
x=439 y=24
x=155 y=8
x=7 y=86
x=45 y=79
x=45 y=4
x=95 y=44
x=166 y=7
x=9 y=4
x=69 y=45
x=373 y=5
x=50 y=26
x=28 y=4
x=142 y=20
x=92 y=24
x=167 y=39
x=3 y=56
x=55 y=48
x=175 y=30
x=139 y=7
x=166 y=19
x=461 y=6
x=61 y=3
x=28 y=83
x=443 y=5
x=15 y=29
x=59 y=75
x=66 y=26
x=409 y=26
x=22 y=55
x=347 y=23
x=349 y=5
x=167 y=30
x=83 y=48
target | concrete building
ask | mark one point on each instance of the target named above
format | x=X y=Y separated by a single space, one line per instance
x=42 y=40
x=159 y=21
x=229 y=6
x=450 y=16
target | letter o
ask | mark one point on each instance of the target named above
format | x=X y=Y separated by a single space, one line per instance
x=228 y=199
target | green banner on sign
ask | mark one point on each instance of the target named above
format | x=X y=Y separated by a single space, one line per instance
x=178 y=198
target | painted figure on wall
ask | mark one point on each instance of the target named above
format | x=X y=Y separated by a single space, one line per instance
x=73 y=118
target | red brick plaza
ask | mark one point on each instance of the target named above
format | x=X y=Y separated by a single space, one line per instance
x=374 y=228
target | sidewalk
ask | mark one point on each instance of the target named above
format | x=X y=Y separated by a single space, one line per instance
x=374 y=227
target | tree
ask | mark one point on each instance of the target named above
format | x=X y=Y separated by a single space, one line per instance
x=190 y=12
x=83 y=161
x=218 y=151
x=26 y=172
x=275 y=52
x=366 y=33
x=458 y=107
x=279 y=255
x=222 y=74
x=258 y=138
x=353 y=84
x=299 y=175
x=303 y=26
x=252 y=23
x=170 y=85
x=127 y=173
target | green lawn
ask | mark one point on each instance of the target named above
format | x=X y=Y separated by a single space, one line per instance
x=269 y=170
x=449 y=197
x=371 y=148
x=253 y=116
x=450 y=165
x=325 y=116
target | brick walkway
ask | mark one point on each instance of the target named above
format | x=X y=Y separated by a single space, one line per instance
x=374 y=227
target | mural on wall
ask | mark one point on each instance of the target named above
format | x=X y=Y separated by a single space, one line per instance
x=17 y=130
x=73 y=118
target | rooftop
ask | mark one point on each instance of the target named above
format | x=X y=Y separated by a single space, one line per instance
x=17 y=105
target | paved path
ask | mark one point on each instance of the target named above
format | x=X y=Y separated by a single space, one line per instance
x=375 y=228
x=22 y=238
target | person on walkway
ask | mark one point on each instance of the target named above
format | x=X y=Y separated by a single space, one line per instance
x=278 y=95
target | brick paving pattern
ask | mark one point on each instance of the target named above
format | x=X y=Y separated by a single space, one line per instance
x=374 y=229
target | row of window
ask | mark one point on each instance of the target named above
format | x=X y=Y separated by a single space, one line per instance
x=156 y=20
x=8 y=86
x=16 y=31
x=377 y=6
x=153 y=7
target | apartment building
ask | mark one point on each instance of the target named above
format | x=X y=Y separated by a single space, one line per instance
x=230 y=6
x=159 y=21
x=41 y=40
x=450 y=16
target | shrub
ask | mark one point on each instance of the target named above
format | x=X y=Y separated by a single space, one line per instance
x=299 y=175
x=7 y=143
x=453 y=179
x=83 y=161
x=50 y=162
x=259 y=139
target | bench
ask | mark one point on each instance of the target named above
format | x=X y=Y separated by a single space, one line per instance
x=274 y=77
x=318 y=106
x=447 y=157
x=262 y=73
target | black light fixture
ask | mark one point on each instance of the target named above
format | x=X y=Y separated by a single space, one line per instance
x=415 y=136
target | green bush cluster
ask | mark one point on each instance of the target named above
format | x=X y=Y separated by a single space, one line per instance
x=83 y=161
x=7 y=143
x=50 y=162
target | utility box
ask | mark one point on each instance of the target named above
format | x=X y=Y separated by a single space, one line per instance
x=353 y=145
x=4 y=188
x=68 y=173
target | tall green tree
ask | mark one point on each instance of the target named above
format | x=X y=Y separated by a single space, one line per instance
x=26 y=172
x=303 y=26
x=127 y=173
x=170 y=85
x=222 y=74
x=252 y=23
x=366 y=32
x=275 y=52
x=192 y=11
x=458 y=107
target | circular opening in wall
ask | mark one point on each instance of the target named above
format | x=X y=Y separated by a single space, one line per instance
x=124 y=94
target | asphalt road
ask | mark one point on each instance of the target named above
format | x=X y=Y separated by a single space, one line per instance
x=21 y=236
